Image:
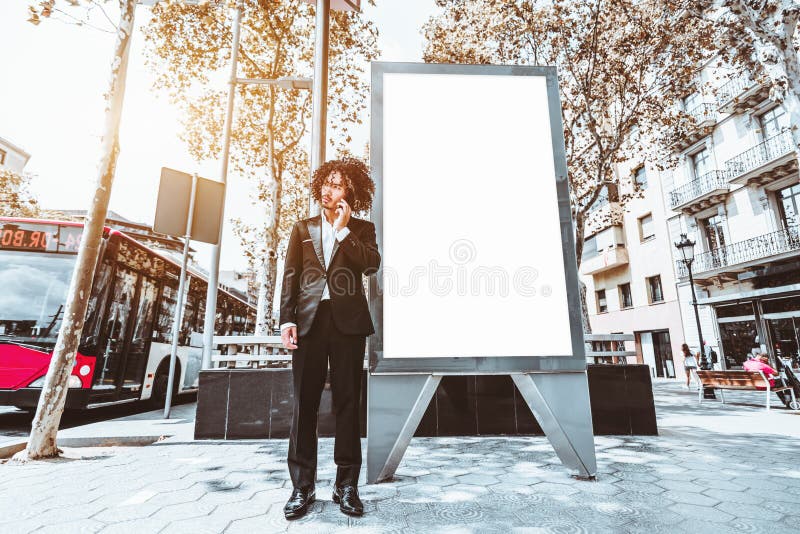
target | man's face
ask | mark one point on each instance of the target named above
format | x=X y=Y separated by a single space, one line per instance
x=333 y=190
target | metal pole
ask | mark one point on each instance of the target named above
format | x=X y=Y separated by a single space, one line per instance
x=213 y=271
x=176 y=326
x=708 y=393
x=319 y=118
x=697 y=316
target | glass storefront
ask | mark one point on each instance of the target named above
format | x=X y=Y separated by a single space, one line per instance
x=738 y=330
x=738 y=333
x=782 y=317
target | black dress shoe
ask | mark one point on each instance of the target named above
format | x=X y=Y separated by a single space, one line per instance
x=298 y=503
x=348 y=500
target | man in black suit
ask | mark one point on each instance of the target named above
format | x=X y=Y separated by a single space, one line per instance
x=324 y=314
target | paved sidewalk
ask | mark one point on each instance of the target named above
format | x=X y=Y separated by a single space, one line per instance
x=716 y=469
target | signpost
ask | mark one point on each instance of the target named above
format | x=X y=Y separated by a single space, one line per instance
x=190 y=207
x=478 y=272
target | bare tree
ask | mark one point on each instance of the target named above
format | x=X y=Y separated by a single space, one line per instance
x=42 y=441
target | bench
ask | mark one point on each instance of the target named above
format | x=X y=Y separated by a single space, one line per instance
x=741 y=380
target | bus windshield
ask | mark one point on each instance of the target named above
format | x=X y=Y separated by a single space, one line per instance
x=33 y=289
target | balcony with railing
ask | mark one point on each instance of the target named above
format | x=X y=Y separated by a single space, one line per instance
x=738 y=256
x=700 y=193
x=692 y=125
x=769 y=160
x=609 y=258
x=739 y=93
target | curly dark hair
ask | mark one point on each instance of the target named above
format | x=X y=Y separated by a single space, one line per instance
x=355 y=173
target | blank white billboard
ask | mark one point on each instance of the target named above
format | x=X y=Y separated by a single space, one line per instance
x=472 y=259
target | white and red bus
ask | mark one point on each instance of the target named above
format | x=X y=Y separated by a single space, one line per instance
x=124 y=350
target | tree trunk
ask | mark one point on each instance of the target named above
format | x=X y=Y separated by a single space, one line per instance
x=42 y=441
x=268 y=265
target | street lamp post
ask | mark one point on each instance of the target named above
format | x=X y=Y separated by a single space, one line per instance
x=319 y=106
x=233 y=81
x=686 y=248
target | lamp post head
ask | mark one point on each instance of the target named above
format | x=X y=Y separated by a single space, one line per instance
x=686 y=248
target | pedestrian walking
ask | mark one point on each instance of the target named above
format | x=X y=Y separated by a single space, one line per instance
x=689 y=363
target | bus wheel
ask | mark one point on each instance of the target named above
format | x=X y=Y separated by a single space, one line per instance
x=160 y=383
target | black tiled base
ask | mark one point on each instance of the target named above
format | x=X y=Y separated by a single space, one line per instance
x=257 y=403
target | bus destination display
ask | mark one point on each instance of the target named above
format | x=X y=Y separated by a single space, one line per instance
x=40 y=237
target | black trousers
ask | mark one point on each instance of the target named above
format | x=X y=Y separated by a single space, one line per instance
x=309 y=370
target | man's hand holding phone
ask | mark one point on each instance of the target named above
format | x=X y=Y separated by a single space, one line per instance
x=343 y=210
x=289 y=337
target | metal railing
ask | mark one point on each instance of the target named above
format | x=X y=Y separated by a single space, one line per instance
x=761 y=154
x=699 y=186
x=755 y=248
x=733 y=88
x=702 y=112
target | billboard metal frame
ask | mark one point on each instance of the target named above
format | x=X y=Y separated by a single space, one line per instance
x=554 y=387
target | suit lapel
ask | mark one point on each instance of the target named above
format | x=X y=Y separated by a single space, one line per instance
x=315 y=233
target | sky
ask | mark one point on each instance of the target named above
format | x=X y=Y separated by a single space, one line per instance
x=51 y=105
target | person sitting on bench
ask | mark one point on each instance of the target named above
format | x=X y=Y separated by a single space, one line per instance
x=761 y=363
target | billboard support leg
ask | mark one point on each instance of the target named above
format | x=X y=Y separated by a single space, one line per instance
x=395 y=406
x=560 y=403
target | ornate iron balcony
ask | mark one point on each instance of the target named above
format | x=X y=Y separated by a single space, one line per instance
x=753 y=249
x=776 y=146
x=706 y=183
x=733 y=88
x=702 y=112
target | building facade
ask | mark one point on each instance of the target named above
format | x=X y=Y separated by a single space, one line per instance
x=735 y=192
x=627 y=268
x=12 y=157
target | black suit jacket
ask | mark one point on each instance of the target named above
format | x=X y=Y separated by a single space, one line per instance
x=304 y=276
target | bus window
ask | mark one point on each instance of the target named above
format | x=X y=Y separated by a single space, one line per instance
x=189 y=313
x=96 y=310
x=117 y=322
x=162 y=333
x=143 y=322
x=34 y=289
x=199 y=322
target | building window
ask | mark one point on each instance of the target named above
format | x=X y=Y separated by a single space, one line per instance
x=789 y=204
x=714 y=232
x=654 y=292
x=701 y=163
x=2 y=157
x=646 y=227
x=625 y=297
x=601 y=200
x=640 y=177
x=589 y=248
x=690 y=102
x=773 y=122
x=602 y=305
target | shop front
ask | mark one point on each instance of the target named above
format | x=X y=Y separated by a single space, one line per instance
x=770 y=324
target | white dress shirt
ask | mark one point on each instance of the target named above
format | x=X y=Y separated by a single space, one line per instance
x=329 y=235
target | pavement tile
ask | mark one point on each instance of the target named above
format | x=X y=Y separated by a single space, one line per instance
x=749 y=511
x=82 y=526
x=706 y=513
x=688 y=479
